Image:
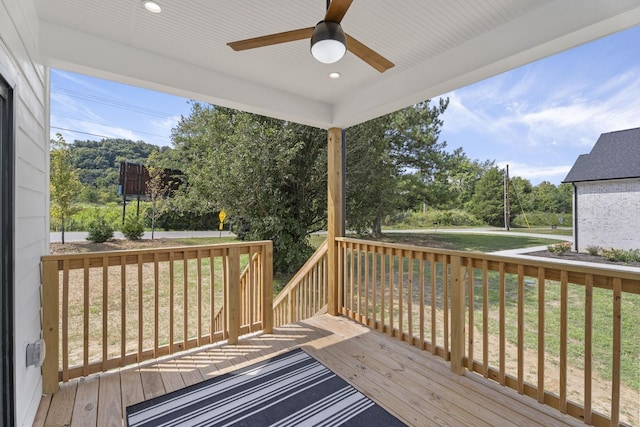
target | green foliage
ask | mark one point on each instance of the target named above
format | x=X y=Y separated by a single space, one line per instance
x=453 y=217
x=270 y=173
x=621 y=255
x=98 y=164
x=593 y=250
x=542 y=219
x=487 y=202
x=175 y=218
x=559 y=248
x=99 y=229
x=64 y=184
x=133 y=228
x=157 y=189
x=394 y=162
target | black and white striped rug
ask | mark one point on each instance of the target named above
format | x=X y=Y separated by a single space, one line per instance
x=292 y=389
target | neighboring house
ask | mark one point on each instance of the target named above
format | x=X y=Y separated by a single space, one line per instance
x=606 y=201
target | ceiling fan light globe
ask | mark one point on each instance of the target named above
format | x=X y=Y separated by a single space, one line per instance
x=328 y=42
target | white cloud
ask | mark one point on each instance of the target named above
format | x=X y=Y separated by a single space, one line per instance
x=536 y=173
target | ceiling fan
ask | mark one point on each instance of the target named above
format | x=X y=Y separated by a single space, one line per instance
x=329 y=42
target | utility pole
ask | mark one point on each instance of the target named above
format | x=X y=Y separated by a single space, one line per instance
x=507 y=210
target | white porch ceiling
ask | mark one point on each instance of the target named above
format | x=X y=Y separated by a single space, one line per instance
x=436 y=45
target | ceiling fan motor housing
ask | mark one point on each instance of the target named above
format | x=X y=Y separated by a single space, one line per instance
x=328 y=42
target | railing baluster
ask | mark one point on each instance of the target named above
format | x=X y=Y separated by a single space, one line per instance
x=105 y=311
x=85 y=318
x=359 y=282
x=502 y=285
x=171 y=300
x=156 y=304
x=185 y=299
x=445 y=305
x=520 y=328
x=199 y=296
x=617 y=349
x=434 y=302
x=392 y=286
x=401 y=277
x=367 y=284
x=541 y=348
x=588 y=348
x=212 y=298
x=65 y=320
x=564 y=297
x=123 y=309
x=485 y=318
x=410 y=297
x=422 y=304
x=383 y=262
x=471 y=313
x=140 y=310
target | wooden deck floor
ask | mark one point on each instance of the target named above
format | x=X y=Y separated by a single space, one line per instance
x=412 y=384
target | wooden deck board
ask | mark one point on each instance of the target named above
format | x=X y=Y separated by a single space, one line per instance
x=110 y=411
x=414 y=385
x=85 y=409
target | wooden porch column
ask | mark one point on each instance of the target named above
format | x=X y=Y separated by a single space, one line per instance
x=233 y=295
x=335 y=213
x=50 y=325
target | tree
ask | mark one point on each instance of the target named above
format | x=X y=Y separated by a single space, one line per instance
x=394 y=162
x=268 y=174
x=157 y=189
x=487 y=202
x=64 y=183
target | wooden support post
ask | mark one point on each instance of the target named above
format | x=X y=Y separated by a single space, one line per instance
x=233 y=295
x=335 y=214
x=457 y=315
x=50 y=325
x=267 y=288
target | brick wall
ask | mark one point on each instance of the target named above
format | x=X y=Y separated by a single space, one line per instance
x=608 y=214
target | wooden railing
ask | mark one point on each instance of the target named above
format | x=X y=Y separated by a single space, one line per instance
x=104 y=310
x=306 y=293
x=563 y=334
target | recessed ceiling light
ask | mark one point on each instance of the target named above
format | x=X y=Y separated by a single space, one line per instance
x=334 y=75
x=152 y=6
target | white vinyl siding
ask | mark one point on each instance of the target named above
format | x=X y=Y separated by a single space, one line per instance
x=30 y=82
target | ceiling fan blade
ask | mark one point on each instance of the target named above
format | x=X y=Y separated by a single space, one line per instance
x=271 y=39
x=337 y=10
x=368 y=55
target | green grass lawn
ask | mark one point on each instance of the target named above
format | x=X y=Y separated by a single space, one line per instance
x=464 y=241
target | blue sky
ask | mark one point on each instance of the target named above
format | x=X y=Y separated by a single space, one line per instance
x=537 y=118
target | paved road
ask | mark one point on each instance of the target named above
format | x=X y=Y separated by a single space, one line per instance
x=80 y=236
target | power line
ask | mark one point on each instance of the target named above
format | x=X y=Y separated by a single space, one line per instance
x=112 y=103
x=103 y=124
x=94 y=134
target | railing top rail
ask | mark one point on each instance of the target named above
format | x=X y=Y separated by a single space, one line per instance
x=632 y=278
x=129 y=252
x=319 y=253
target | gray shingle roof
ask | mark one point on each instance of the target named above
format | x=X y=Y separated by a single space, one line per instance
x=616 y=155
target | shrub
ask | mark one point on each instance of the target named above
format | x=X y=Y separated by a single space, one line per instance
x=451 y=217
x=593 y=250
x=133 y=228
x=99 y=230
x=559 y=248
x=620 y=255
